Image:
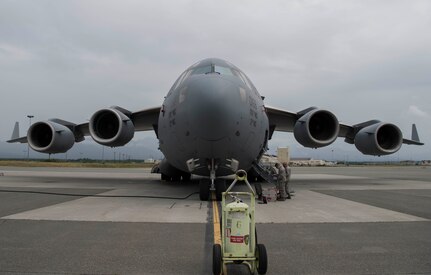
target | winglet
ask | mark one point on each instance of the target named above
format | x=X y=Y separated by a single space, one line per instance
x=415 y=137
x=15 y=133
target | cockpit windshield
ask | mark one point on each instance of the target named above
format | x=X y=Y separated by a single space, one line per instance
x=212 y=69
x=213 y=66
x=202 y=70
x=223 y=70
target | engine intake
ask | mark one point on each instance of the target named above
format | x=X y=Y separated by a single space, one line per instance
x=379 y=139
x=317 y=128
x=111 y=127
x=50 y=137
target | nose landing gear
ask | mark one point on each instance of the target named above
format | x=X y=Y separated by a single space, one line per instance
x=211 y=184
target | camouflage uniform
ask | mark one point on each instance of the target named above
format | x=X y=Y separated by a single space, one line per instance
x=286 y=184
x=281 y=180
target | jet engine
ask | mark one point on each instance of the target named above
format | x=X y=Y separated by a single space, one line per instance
x=111 y=127
x=50 y=137
x=379 y=139
x=316 y=128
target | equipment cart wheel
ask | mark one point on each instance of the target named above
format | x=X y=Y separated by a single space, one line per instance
x=217 y=259
x=204 y=189
x=262 y=259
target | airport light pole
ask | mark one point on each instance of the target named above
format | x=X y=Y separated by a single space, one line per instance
x=28 y=145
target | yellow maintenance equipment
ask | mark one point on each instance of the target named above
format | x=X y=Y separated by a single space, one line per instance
x=239 y=240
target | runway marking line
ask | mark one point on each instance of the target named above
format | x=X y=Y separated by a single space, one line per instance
x=216 y=221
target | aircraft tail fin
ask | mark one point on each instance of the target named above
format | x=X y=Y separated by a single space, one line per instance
x=415 y=137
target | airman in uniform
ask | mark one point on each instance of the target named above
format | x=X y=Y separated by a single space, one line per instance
x=281 y=180
x=286 y=183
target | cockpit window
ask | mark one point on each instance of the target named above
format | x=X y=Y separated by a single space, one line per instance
x=205 y=67
x=223 y=70
x=202 y=70
x=180 y=79
x=245 y=79
x=212 y=69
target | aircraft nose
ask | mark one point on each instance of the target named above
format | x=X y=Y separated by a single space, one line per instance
x=211 y=109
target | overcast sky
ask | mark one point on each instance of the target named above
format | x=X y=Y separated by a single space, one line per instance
x=360 y=59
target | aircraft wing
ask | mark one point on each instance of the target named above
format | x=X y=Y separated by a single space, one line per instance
x=146 y=119
x=315 y=128
x=20 y=140
x=114 y=126
x=281 y=120
x=143 y=120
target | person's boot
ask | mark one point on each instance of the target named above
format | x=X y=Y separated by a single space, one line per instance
x=281 y=198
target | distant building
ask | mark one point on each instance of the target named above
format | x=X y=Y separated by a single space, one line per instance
x=309 y=162
x=283 y=156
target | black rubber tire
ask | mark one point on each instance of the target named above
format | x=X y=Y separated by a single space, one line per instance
x=176 y=178
x=165 y=177
x=204 y=189
x=251 y=175
x=187 y=177
x=217 y=259
x=220 y=185
x=262 y=259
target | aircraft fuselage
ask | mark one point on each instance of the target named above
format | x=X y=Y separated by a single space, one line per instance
x=212 y=113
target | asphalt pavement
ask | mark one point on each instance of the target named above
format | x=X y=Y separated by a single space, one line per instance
x=349 y=220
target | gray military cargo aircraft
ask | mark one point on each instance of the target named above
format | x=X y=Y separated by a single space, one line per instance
x=213 y=122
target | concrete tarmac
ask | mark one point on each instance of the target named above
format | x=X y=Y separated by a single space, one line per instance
x=342 y=220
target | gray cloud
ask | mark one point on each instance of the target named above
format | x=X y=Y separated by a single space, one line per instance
x=360 y=59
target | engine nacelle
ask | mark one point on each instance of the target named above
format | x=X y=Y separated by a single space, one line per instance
x=50 y=137
x=111 y=127
x=317 y=128
x=379 y=139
